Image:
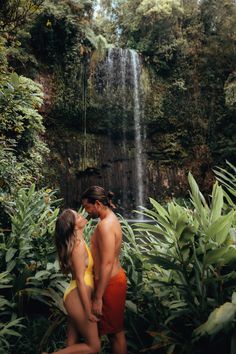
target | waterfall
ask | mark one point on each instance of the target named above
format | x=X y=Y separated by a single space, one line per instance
x=110 y=79
x=135 y=64
x=121 y=81
x=123 y=55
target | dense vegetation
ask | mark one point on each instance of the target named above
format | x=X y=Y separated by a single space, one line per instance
x=187 y=49
x=181 y=268
x=189 y=45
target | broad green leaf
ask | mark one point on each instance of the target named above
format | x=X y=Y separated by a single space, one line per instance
x=159 y=208
x=217 y=202
x=161 y=234
x=230 y=256
x=173 y=213
x=217 y=320
x=15 y=79
x=163 y=262
x=10 y=254
x=187 y=235
x=216 y=256
x=131 y=306
x=181 y=225
x=221 y=256
x=3 y=275
x=234 y=298
x=199 y=202
x=42 y=274
x=11 y=265
x=219 y=229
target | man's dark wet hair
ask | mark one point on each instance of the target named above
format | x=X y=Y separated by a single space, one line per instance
x=94 y=193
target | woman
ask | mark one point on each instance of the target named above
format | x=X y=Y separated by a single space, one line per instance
x=75 y=258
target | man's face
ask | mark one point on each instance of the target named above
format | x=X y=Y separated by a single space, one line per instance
x=90 y=208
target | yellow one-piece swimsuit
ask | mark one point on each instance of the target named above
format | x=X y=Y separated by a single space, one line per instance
x=88 y=275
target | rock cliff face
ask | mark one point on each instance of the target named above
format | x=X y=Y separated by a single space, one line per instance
x=76 y=162
x=120 y=127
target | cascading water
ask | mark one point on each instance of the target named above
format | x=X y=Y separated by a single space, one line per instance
x=123 y=61
x=135 y=64
x=122 y=76
x=110 y=79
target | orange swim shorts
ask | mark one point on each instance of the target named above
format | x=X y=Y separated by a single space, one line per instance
x=112 y=320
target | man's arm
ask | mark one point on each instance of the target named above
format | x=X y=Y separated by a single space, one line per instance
x=106 y=247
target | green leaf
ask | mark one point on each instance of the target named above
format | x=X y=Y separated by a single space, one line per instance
x=42 y=274
x=217 y=202
x=163 y=262
x=131 y=306
x=156 y=229
x=15 y=79
x=219 y=229
x=11 y=265
x=217 y=320
x=10 y=254
x=199 y=202
x=216 y=256
x=3 y=275
x=159 y=208
x=181 y=225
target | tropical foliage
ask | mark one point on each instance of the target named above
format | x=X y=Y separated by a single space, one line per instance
x=180 y=268
x=181 y=272
x=21 y=146
x=180 y=265
x=27 y=257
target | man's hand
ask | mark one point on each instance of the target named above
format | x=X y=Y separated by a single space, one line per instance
x=93 y=318
x=97 y=307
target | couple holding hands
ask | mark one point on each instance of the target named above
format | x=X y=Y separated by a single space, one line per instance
x=95 y=297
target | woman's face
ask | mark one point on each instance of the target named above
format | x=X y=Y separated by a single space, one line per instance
x=80 y=221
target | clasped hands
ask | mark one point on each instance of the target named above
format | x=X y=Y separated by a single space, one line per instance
x=96 y=310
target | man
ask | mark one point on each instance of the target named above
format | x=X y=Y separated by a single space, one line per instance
x=110 y=278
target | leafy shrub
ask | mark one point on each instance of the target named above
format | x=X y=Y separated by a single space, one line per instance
x=26 y=251
x=183 y=267
x=180 y=272
x=21 y=146
x=9 y=325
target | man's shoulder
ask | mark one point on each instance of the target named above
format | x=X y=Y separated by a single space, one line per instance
x=103 y=224
x=110 y=223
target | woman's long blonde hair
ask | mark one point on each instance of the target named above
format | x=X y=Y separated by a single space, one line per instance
x=65 y=238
